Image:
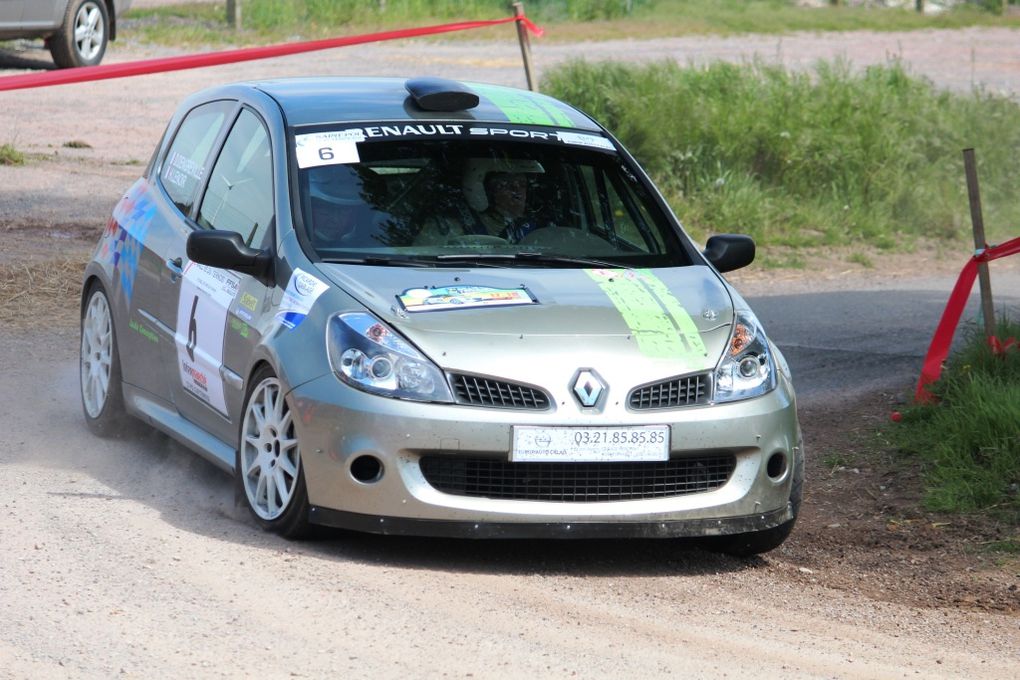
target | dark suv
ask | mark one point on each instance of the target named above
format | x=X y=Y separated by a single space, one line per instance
x=76 y=31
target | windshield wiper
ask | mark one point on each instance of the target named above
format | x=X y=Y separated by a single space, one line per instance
x=527 y=257
x=381 y=261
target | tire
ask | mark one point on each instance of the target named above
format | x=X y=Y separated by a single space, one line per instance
x=269 y=460
x=758 y=542
x=102 y=393
x=82 y=38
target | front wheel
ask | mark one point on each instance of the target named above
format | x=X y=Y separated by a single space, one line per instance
x=82 y=38
x=758 y=542
x=269 y=469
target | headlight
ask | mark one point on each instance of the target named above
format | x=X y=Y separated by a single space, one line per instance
x=747 y=368
x=369 y=355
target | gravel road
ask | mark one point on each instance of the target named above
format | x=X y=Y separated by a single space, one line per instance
x=129 y=557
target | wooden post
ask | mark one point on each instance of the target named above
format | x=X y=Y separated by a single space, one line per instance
x=919 y=4
x=234 y=14
x=984 y=278
x=522 y=36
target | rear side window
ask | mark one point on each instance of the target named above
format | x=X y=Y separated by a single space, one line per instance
x=186 y=161
x=240 y=192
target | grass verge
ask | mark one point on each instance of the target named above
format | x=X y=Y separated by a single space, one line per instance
x=11 y=156
x=969 y=442
x=833 y=157
x=567 y=20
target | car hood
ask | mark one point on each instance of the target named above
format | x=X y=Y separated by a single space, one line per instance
x=535 y=324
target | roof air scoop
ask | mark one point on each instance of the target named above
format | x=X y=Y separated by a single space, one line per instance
x=440 y=94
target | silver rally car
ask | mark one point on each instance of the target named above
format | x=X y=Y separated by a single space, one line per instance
x=437 y=308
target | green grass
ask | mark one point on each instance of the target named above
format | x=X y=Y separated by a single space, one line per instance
x=566 y=20
x=11 y=156
x=969 y=442
x=833 y=157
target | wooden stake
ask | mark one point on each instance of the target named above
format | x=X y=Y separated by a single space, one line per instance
x=522 y=36
x=977 y=221
x=234 y=14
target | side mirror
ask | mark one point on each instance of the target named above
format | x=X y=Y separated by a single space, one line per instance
x=727 y=252
x=226 y=250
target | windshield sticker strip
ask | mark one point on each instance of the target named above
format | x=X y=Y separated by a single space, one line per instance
x=328 y=148
x=303 y=290
x=654 y=329
x=462 y=297
x=524 y=108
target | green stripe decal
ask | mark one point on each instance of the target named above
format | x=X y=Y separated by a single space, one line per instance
x=523 y=108
x=661 y=326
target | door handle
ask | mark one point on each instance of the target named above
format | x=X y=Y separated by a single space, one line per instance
x=176 y=267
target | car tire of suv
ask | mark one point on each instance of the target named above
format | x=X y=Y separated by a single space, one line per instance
x=82 y=38
x=269 y=457
x=758 y=542
x=102 y=395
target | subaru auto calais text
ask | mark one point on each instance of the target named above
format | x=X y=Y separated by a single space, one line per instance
x=437 y=308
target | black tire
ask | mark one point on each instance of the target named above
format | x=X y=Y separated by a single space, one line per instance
x=759 y=542
x=69 y=50
x=291 y=521
x=105 y=417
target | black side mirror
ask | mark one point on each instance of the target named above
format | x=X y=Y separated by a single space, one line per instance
x=225 y=250
x=727 y=252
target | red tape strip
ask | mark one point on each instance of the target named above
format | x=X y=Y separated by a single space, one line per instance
x=165 y=64
x=938 y=350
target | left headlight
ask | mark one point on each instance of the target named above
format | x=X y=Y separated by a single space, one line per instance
x=369 y=355
x=747 y=368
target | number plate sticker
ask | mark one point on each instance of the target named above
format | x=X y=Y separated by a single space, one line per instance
x=589 y=444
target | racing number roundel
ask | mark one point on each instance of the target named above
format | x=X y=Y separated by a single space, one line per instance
x=205 y=297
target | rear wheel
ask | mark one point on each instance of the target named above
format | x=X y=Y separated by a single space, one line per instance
x=269 y=469
x=758 y=542
x=102 y=396
x=82 y=38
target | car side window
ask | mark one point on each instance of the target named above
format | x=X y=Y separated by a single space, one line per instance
x=240 y=192
x=186 y=161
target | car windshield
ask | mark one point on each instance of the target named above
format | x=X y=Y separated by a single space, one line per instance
x=435 y=202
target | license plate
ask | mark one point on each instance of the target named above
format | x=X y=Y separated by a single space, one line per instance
x=589 y=444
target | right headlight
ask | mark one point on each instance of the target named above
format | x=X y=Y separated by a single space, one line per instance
x=369 y=355
x=747 y=368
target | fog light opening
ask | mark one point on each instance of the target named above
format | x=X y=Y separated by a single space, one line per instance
x=776 y=466
x=367 y=469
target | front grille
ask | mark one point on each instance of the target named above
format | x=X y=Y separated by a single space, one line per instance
x=684 y=391
x=575 y=482
x=477 y=391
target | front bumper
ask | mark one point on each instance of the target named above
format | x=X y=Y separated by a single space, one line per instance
x=337 y=425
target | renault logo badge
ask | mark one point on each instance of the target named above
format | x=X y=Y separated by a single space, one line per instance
x=588 y=387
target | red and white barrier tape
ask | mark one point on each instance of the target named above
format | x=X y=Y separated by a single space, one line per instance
x=164 y=64
x=943 y=338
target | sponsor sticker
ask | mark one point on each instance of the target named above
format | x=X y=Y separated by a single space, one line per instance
x=303 y=290
x=462 y=297
x=328 y=148
x=593 y=141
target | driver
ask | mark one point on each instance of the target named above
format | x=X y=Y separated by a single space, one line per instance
x=336 y=202
x=507 y=194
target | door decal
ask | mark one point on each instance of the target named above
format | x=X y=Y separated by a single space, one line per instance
x=206 y=295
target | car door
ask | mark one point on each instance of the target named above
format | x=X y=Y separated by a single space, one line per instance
x=146 y=224
x=44 y=13
x=10 y=13
x=215 y=309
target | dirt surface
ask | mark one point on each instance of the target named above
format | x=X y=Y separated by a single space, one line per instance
x=129 y=557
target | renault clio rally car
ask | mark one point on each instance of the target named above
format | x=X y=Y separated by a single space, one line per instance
x=315 y=287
